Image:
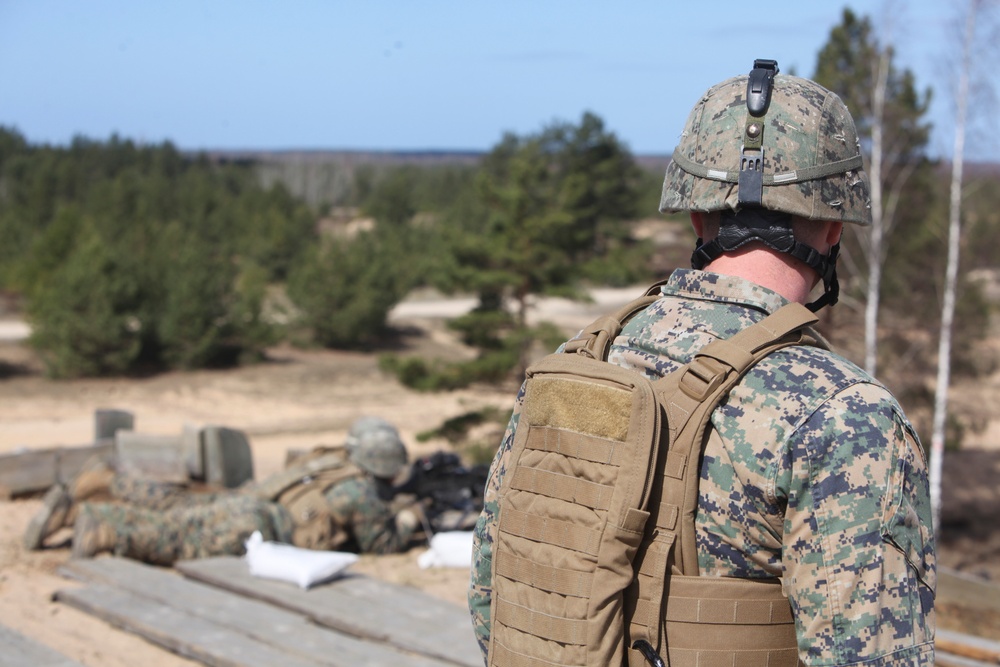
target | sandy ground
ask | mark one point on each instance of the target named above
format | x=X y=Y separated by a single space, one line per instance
x=296 y=400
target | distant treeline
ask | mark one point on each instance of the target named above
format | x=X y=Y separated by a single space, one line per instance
x=133 y=258
x=327 y=178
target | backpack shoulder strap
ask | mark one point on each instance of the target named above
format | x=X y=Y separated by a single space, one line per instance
x=689 y=396
x=594 y=340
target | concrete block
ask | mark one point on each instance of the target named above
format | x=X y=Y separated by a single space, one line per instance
x=156 y=457
x=107 y=422
x=226 y=456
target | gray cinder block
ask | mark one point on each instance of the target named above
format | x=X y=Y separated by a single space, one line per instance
x=226 y=456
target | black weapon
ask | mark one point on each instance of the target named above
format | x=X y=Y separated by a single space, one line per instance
x=452 y=493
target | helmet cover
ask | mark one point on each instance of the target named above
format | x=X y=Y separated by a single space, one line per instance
x=811 y=154
x=363 y=425
x=379 y=451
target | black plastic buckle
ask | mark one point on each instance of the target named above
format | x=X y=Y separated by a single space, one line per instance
x=751 y=180
x=759 y=86
x=648 y=652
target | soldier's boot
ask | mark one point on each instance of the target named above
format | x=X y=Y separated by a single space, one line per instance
x=91 y=536
x=93 y=481
x=59 y=505
x=51 y=517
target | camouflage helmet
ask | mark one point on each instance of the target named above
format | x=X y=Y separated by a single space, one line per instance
x=803 y=148
x=377 y=448
x=362 y=425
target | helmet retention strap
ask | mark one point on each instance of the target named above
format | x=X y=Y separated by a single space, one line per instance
x=774 y=230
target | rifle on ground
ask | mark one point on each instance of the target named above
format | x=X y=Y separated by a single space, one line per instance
x=450 y=492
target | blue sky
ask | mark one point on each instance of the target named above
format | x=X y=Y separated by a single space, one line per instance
x=410 y=75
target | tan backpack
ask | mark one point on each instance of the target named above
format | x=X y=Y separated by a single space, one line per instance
x=595 y=560
x=300 y=488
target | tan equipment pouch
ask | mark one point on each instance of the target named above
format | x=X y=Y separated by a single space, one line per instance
x=580 y=571
x=301 y=490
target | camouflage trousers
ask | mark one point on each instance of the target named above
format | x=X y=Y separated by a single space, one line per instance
x=160 y=523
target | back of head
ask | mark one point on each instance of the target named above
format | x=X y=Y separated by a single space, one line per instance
x=763 y=150
x=374 y=445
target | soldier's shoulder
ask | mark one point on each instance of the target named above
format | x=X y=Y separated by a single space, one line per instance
x=353 y=486
x=813 y=374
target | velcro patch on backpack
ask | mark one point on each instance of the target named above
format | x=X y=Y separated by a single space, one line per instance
x=582 y=407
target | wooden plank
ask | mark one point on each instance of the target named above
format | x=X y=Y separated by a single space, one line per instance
x=36 y=470
x=20 y=651
x=70 y=460
x=968 y=591
x=945 y=659
x=967 y=646
x=154 y=588
x=364 y=607
x=190 y=636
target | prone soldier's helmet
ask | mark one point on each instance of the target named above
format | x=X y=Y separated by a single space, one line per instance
x=375 y=446
x=763 y=148
x=362 y=425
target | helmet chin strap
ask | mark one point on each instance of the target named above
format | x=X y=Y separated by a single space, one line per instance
x=773 y=229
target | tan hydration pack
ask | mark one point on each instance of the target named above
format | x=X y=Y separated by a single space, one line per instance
x=595 y=559
x=301 y=489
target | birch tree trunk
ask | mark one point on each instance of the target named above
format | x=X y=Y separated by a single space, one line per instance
x=951 y=272
x=876 y=255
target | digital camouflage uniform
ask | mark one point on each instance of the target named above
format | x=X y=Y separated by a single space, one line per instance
x=811 y=473
x=161 y=523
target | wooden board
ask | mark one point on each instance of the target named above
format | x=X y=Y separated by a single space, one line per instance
x=401 y=616
x=215 y=626
x=967 y=591
x=19 y=651
x=36 y=470
x=951 y=643
x=177 y=631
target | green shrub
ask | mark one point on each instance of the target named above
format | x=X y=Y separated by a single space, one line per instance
x=84 y=315
x=346 y=289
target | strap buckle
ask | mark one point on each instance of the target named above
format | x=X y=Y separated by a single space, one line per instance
x=701 y=377
x=751 y=192
x=648 y=652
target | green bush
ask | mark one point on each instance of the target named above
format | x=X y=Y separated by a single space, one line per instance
x=138 y=258
x=345 y=289
x=84 y=315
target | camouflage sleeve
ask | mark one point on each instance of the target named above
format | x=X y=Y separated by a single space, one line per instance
x=858 y=549
x=480 y=585
x=356 y=505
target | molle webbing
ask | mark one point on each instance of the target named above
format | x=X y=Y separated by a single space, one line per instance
x=571 y=518
x=307 y=466
x=301 y=489
x=593 y=507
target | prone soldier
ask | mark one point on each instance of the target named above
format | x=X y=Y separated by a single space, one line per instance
x=331 y=498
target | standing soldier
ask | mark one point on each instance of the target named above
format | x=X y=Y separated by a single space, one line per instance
x=809 y=473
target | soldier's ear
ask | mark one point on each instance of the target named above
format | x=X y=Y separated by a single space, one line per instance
x=834 y=232
x=698 y=222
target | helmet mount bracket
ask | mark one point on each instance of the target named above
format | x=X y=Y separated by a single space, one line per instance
x=751 y=168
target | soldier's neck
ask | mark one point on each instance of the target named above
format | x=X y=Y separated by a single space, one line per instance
x=776 y=271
